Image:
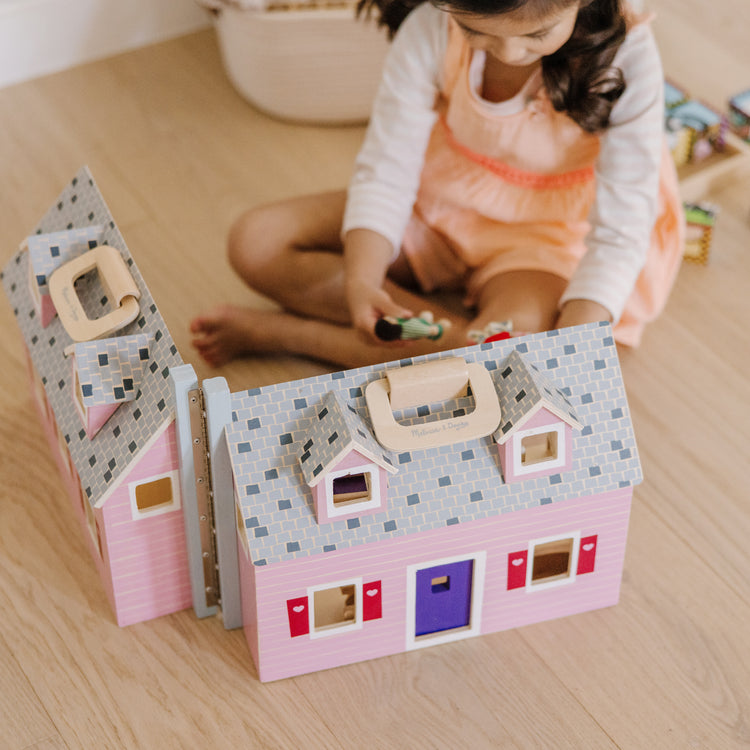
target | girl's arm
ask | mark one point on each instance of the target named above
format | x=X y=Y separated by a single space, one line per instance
x=388 y=167
x=367 y=256
x=627 y=185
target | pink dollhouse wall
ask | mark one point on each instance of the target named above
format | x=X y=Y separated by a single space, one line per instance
x=132 y=527
x=266 y=590
x=142 y=562
x=146 y=557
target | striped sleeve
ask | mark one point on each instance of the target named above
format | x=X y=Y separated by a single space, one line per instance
x=383 y=187
x=627 y=181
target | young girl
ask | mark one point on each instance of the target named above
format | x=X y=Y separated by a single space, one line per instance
x=515 y=152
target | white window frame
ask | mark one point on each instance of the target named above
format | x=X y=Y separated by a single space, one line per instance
x=543 y=585
x=334 y=630
x=159 y=510
x=553 y=463
x=414 y=641
x=375 y=501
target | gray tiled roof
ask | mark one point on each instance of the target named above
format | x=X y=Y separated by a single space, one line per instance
x=454 y=484
x=103 y=461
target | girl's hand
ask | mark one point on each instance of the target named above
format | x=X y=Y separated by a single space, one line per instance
x=368 y=303
x=367 y=256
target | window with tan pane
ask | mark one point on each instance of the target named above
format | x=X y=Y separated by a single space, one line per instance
x=336 y=609
x=553 y=561
x=156 y=495
x=540 y=448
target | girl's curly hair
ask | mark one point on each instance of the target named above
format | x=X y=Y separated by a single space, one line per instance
x=579 y=77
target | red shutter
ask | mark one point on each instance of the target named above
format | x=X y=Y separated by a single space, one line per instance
x=372 y=601
x=587 y=555
x=299 y=618
x=517 y=569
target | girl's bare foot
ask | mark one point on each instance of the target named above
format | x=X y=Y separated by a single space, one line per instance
x=230 y=331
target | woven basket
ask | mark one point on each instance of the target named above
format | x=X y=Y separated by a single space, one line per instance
x=315 y=64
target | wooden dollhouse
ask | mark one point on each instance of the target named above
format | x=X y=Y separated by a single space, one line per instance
x=337 y=518
x=370 y=521
x=99 y=372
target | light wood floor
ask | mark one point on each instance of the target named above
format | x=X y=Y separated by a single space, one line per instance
x=177 y=155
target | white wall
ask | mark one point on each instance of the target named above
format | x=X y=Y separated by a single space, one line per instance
x=43 y=36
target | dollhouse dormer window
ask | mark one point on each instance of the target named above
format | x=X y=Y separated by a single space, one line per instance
x=351 y=489
x=343 y=464
x=106 y=374
x=355 y=489
x=535 y=436
x=540 y=449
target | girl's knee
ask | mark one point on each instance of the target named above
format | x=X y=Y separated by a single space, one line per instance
x=529 y=299
x=252 y=241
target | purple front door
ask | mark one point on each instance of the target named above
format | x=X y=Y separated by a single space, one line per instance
x=443 y=597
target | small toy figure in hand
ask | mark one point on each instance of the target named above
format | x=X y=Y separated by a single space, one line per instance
x=423 y=326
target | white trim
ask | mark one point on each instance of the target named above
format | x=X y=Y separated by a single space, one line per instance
x=573 y=564
x=477 y=598
x=347 y=509
x=159 y=510
x=335 y=629
x=553 y=463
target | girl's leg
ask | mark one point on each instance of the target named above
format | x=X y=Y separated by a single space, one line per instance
x=230 y=332
x=530 y=299
x=292 y=253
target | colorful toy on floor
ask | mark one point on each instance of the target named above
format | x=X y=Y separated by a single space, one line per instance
x=422 y=326
x=99 y=376
x=739 y=114
x=700 y=220
x=694 y=130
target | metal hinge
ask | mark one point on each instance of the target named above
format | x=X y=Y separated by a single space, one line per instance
x=204 y=496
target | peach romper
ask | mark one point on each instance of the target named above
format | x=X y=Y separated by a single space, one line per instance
x=519 y=197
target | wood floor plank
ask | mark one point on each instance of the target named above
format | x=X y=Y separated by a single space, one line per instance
x=23 y=719
x=670 y=661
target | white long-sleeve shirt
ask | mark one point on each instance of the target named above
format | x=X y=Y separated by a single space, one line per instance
x=387 y=171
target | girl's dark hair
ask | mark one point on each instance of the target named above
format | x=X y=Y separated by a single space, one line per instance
x=579 y=77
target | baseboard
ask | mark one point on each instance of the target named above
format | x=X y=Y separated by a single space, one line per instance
x=38 y=37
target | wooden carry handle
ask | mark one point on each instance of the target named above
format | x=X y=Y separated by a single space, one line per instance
x=118 y=282
x=441 y=375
